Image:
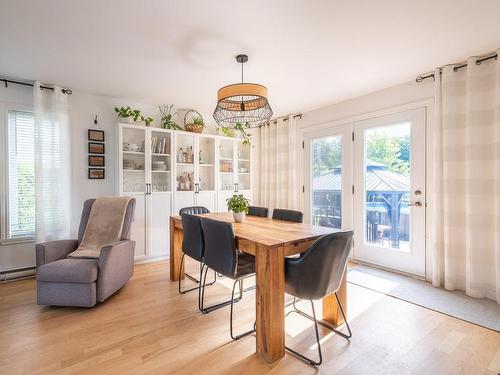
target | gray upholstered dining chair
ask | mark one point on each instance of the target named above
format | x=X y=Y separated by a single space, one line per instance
x=195 y=253
x=193 y=245
x=288 y=215
x=316 y=273
x=222 y=256
x=258 y=211
x=84 y=281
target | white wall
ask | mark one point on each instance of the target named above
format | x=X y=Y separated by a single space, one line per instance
x=82 y=108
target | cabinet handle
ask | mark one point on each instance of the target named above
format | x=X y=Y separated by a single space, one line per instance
x=196 y=188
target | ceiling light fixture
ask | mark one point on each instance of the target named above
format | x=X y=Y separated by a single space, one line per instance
x=242 y=104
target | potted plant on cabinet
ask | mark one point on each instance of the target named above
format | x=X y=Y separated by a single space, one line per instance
x=167 y=114
x=239 y=205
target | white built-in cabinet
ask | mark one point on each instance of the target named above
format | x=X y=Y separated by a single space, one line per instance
x=234 y=170
x=167 y=170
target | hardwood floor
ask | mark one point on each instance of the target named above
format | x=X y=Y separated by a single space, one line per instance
x=148 y=328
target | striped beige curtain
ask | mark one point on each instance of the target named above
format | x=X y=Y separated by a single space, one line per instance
x=278 y=164
x=466 y=209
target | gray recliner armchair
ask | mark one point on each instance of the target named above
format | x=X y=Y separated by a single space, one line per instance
x=82 y=282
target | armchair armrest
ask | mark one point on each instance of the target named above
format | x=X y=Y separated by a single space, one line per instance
x=51 y=251
x=116 y=266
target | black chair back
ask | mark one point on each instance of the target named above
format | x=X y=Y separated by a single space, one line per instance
x=220 y=246
x=193 y=243
x=258 y=211
x=288 y=215
x=195 y=210
x=319 y=270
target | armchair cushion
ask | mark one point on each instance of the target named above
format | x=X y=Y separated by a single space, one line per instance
x=68 y=271
x=51 y=251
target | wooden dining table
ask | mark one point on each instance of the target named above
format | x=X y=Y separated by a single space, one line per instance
x=270 y=241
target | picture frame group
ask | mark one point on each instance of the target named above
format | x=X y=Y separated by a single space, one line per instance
x=96 y=157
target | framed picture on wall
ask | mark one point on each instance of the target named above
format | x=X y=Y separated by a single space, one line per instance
x=96 y=135
x=96 y=148
x=96 y=174
x=96 y=161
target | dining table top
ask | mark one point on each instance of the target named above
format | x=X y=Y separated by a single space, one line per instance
x=269 y=232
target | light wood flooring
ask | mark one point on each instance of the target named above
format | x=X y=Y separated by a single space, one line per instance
x=148 y=328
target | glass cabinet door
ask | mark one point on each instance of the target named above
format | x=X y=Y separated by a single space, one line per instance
x=243 y=159
x=226 y=165
x=133 y=161
x=161 y=163
x=206 y=163
x=184 y=159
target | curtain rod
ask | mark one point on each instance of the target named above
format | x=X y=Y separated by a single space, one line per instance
x=420 y=78
x=285 y=118
x=7 y=81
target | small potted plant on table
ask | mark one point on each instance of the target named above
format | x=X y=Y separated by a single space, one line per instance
x=239 y=205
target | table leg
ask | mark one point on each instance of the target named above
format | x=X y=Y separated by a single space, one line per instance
x=331 y=311
x=269 y=303
x=175 y=251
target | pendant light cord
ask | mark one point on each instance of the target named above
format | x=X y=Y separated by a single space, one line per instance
x=242 y=72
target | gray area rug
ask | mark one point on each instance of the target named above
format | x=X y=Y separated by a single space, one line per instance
x=483 y=312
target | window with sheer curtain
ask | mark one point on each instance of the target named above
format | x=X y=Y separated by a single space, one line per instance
x=20 y=172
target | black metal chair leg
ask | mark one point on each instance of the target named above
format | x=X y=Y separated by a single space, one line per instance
x=192 y=278
x=303 y=357
x=237 y=337
x=326 y=325
x=206 y=310
x=180 y=273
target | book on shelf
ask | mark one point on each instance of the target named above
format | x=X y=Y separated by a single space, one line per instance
x=160 y=145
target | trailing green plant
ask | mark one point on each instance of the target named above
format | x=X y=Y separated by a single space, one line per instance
x=147 y=120
x=167 y=113
x=238 y=203
x=135 y=114
x=243 y=129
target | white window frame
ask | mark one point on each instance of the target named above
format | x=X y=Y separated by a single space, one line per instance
x=5 y=107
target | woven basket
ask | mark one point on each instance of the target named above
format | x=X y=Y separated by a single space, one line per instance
x=189 y=126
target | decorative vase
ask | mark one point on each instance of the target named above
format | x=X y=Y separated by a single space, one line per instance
x=239 y=217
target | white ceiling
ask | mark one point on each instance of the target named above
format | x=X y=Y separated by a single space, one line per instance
x=308 y=53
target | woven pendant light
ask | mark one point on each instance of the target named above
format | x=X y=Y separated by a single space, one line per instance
x=242 y=103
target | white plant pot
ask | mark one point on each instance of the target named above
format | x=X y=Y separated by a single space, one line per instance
x=239 y=217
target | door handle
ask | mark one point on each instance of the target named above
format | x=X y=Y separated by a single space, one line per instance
x=416 y=204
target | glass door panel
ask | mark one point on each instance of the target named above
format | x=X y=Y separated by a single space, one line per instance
x=327 y=182
x=226 y=165
x=184 y=160
x=387 y=186
x=243 y=159
x=206 y=163
x=161 y=163
x=133 y=160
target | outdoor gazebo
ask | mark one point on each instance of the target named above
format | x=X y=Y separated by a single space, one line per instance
x=386 y=202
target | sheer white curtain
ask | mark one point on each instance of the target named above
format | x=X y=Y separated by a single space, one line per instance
x=278 y=164
x=52 y=164
x=466 y=209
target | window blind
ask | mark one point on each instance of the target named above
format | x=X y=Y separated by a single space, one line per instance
x=21 y=174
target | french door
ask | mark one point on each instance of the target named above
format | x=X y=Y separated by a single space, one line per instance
x=328 y=182
x=369 y=176
x=389 y=194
